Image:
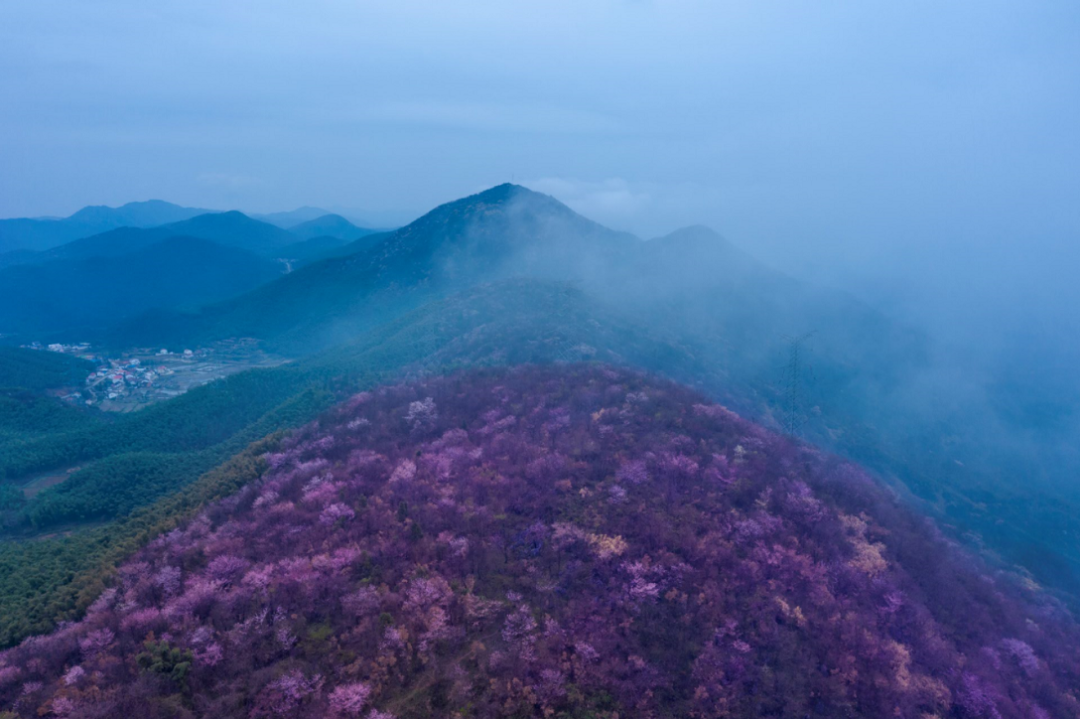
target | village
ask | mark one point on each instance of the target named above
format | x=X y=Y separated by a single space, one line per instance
x=142 y=376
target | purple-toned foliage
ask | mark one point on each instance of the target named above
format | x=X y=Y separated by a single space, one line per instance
x=348 y=700
x=284 y=696
x=575 y=541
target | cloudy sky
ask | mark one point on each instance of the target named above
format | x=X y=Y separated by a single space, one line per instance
x=898 y=149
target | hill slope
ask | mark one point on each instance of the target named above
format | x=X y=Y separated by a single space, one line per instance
x=692 y=277
x=49 y=580
x=112 y=243
x=505 y=231
x=235 y=229
x=76 y=298
x=27 y=412
x=38 y=370
x=559 y=542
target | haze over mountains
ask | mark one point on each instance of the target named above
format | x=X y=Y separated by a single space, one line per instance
x=504 y=277
x=727 y=320
x=78 y=288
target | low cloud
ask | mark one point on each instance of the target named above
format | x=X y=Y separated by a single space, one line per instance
x=644 y=208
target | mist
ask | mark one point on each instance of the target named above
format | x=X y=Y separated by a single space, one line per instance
x=923 y=157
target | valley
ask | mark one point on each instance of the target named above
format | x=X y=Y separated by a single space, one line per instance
x=139 y=378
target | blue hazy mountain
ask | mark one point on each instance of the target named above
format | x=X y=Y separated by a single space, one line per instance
x=135 y=214
x=235 y=229
x=232 y=229
x=291 y=218
x=106 y=244
x=44 y=233
x=504 y=232
x=329 y=226
x=72 y=298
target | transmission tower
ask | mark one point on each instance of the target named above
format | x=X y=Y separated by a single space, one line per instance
x=793 y=399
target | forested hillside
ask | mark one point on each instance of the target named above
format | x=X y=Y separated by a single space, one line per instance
x=74 y=299
x=572 y=541
x=37 y=370
x=157 y=451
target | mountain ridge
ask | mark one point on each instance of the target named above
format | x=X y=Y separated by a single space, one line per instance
x=575 y=541
x=45 y=233
x=477 y=238
x=236 y=229
x=329 y=225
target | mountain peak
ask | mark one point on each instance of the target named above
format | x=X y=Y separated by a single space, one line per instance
x=236 y=229
x=331 y=225
x=94 y=212
x=230 y=215
x=503 y=193
x=150 y=204
x=504 y=198
x=148 y=213
x=229 y=218
x=496 y=219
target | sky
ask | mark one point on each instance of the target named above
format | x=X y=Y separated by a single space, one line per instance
x=924 y=155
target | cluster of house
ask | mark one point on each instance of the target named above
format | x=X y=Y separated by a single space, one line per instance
x=127 y=378
x=145 y=375
x=120 y=378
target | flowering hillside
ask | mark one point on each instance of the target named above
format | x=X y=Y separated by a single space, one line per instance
x=575 y=542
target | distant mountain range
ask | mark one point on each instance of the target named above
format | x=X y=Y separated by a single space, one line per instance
x=291 y=218
x=510 y=231
x=44 y=233
x=25 y=235
x=507 y=231
x=78 y=288
x=233 y=229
